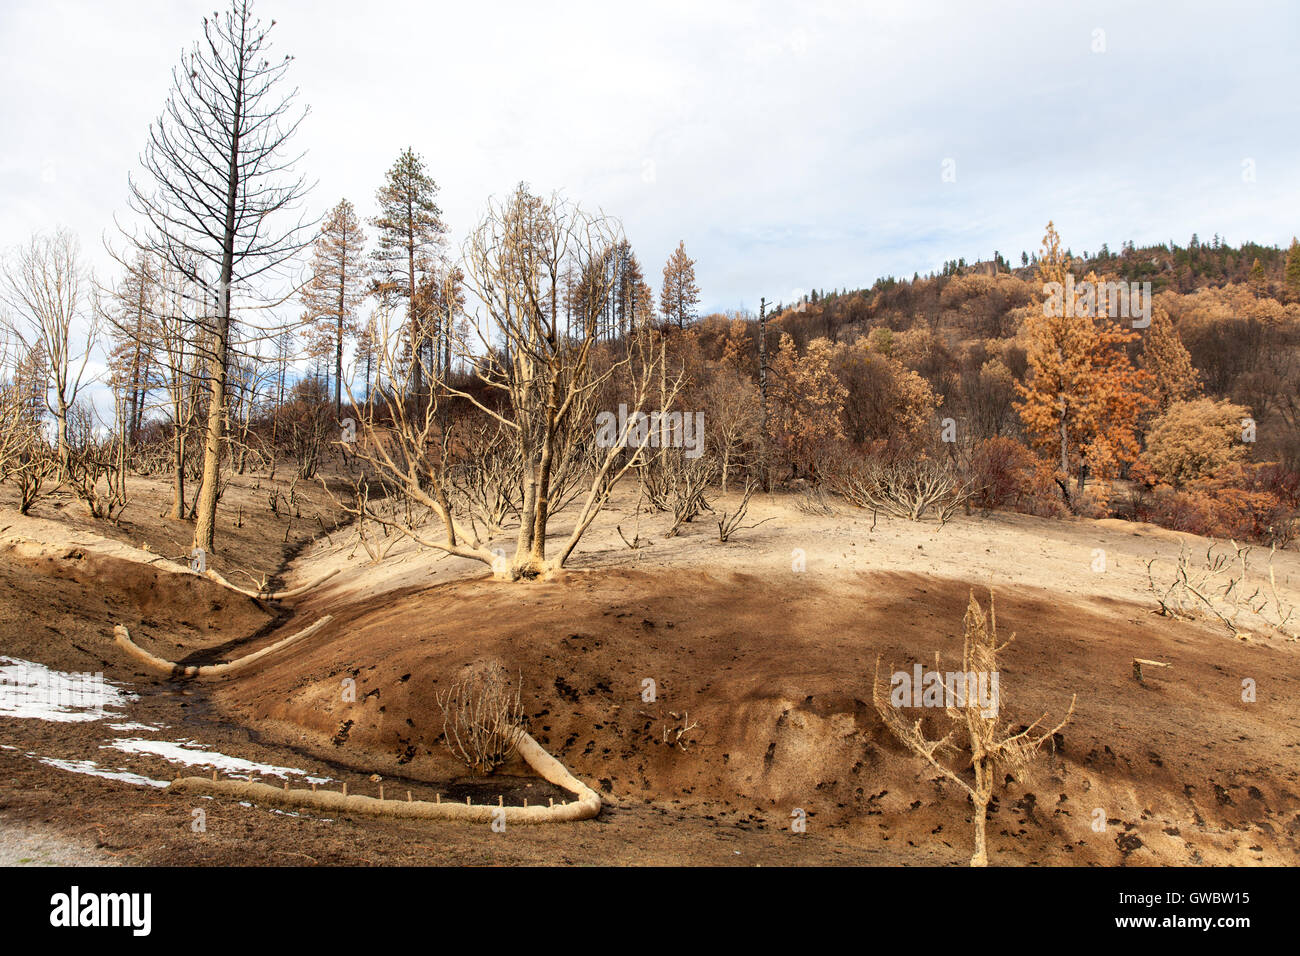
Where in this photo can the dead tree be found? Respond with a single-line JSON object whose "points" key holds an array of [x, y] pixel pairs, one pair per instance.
{"points": [[995, 749], [177, 360], [42, 282], [217, 177], [539, 383]]}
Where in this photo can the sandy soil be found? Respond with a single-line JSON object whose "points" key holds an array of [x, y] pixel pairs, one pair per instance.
{"points": [[761, 652]]}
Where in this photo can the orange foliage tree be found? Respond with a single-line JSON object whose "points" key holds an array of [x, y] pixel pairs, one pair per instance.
{"points": [[1083, 398], [1174, 378], [808, 402]]}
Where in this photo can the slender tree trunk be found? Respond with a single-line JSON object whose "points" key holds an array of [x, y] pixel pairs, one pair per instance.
{"points": [[410, 292], [1065, 446], [206, 505], [65, 450], [205, 525], [178, 474], [981, 857], [338, 353]]}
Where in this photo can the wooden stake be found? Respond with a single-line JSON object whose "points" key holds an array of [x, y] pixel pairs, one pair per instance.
{"points": [[345, 788], [1137, 667], [381, 791]]}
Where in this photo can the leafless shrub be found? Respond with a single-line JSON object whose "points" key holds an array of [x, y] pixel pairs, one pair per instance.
{"points": [[995, 749], [97, 476], [1223, 586], [150, 458], [487, 480], [376, 538], [730, 522], [813, 501], [903, 489], [26, 459], [636, 541], [97, 467], [681, 483], [482, 719]]}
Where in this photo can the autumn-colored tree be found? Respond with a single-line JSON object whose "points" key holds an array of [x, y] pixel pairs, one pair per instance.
{"points": [[409, 240], [1167, 359], [808, 401], [985, 304], [680, 295], [336, 288], [886, 406], [368, 349], [1195, 439], [1083, 397], [643, 306], [1120, 396]]}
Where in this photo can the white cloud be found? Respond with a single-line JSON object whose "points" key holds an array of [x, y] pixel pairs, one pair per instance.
{"points": [[792, 144]]}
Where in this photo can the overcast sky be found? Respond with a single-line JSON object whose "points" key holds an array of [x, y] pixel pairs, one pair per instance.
{"points": [[791, 145]]}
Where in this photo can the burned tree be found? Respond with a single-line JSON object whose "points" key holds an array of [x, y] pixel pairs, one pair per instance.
{"points": [[216, 181], [539, 382], [995, 748], [43, 283]]}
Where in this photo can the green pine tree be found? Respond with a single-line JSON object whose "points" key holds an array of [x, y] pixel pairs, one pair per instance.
{"points": [[1292, 275], [409, 234]]}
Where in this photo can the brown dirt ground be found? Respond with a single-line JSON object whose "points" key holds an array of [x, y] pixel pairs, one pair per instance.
{"points": [[771, 668]]}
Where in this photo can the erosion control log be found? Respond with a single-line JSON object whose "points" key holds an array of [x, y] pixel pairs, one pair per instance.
{"points": [[585, 807], [265, 595], [122, 638]]}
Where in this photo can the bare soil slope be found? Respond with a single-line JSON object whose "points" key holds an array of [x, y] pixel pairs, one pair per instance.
{"points": [[762, 677]]}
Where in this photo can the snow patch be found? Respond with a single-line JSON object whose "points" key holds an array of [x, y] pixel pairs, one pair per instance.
{"points": [[189, 753], [34, 691], [90, 768]]}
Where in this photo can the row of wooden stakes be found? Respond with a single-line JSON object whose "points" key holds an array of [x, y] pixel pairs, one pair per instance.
{"points": [[501, 801]]}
